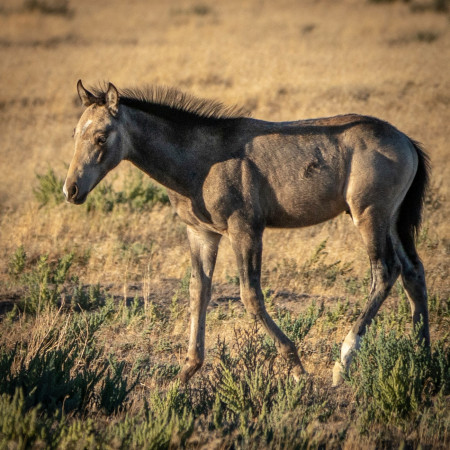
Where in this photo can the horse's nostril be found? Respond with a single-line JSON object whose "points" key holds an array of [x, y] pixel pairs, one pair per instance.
{"points": [[73, 191]]}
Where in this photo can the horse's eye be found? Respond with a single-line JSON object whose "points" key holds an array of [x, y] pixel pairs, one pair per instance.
{"points": [[100, 140]]}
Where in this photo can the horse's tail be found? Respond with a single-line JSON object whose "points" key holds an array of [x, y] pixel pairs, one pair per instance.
{"points": [[410, 215]]}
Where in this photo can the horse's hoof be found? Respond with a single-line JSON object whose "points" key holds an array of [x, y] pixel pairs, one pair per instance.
{"points": [[298, 372], [188, 371], [338, 372], [186, 374]]}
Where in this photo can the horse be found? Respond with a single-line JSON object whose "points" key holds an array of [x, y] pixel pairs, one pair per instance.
{"points": [[228, 174]]}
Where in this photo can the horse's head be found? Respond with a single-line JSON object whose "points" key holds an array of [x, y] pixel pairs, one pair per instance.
{"points": [[99, 146]]}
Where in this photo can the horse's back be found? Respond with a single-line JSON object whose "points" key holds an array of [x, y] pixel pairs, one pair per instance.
{"points": [[310, 171]]}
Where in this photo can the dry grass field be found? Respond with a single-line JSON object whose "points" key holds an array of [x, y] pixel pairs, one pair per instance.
{"points": [[110, 278]]}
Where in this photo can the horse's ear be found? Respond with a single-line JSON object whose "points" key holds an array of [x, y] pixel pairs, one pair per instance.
{"points": [[86, 97], [112, 99]]}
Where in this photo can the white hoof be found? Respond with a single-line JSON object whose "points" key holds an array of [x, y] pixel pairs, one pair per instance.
{"points": [[338, 372]]}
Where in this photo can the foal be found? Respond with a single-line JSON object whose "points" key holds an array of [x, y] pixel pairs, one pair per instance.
{"points": [[230, 175]]}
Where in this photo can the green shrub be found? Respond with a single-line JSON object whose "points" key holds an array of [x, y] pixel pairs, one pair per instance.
{"points": [[434, 5], [115, 389], [46, 379], [394, 376], [164, 423], [252, 399], [138, 193], [297, 329], [328, 273], [17, 262], [439, 308], [50, 189], [20, 427], [164, 372], [77, 434], [43, 283], [86, 299], [103, 198], [65, 372], [153, 427]]}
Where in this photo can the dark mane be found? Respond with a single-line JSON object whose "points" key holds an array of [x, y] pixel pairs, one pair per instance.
{"points": [[174, 105]]}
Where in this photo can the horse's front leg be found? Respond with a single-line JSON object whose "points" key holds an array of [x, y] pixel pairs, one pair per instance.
{"points": [[247, 246], [203, 246]]}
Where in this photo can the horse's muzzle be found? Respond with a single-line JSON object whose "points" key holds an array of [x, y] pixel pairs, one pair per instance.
{"points": [[72, 194]]}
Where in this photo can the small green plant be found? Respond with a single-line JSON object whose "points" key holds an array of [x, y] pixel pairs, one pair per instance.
{"points": [[115, 387], [394, 376], [268, 299], [17, 262], [183, 290], [86, 299], [50, 189], [201, 9], [427, 36], [141, 195], [102, 198], [77, 433], [165, 372], [254, 399], [328, 273], [297, 329], [20, 425], [439, 308], [340, 312], [138, 194], [44, 282], [198, 9], [232, 279], [439, 6]]}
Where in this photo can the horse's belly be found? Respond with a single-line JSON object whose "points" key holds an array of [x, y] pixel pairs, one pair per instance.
{"points": [[303, 207]]}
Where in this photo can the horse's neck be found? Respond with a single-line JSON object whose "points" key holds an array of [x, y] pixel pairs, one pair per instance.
{"points": [[159, 149]]}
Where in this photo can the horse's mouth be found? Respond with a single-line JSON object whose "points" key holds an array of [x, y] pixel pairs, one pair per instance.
{"points": [[80, 200]]}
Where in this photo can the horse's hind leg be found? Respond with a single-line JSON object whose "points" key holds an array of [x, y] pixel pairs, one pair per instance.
{"points": [[385, 267], [413, 278]]}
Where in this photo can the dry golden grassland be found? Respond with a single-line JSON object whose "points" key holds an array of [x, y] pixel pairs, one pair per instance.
{"points": [[282, 60]]}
